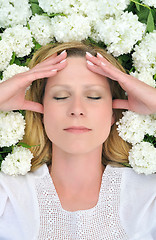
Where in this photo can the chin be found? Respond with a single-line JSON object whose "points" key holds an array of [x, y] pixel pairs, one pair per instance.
{"points": [[79, 148]]}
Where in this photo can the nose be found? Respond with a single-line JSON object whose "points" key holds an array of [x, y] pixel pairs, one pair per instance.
{"points": [[76, 108]]}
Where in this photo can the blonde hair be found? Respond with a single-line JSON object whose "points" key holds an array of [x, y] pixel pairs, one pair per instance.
{"points": [[115, 150]]}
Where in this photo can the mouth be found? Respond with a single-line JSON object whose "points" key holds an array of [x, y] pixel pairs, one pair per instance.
{"points": [[77, 129]]}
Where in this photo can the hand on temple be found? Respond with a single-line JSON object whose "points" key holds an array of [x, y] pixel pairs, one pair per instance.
{"points": [[141, 97], [12, 91]]}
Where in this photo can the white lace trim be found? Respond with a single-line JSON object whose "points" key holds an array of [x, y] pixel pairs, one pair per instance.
{"points": [[99, 222]]}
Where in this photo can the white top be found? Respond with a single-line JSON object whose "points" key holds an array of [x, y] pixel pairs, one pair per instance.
{"points": [[30, 208]]}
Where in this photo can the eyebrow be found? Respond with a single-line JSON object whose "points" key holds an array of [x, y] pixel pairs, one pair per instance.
{"points": [[86, 86]]}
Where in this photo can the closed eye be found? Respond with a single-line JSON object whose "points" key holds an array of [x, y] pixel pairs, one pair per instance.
{"points": [[60, 98], [94, 98]]}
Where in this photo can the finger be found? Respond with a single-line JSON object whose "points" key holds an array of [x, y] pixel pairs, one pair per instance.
{"points": [[95, 68], [24, 80], [33, 106], [59, 66], [120, 104], [54, 60], [100, 66]]}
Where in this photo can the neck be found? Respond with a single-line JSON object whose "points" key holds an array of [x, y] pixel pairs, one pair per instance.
{"points": [[74, 173]]}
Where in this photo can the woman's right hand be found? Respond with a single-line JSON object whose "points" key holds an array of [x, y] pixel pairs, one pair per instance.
{"points": [[12, 91]]}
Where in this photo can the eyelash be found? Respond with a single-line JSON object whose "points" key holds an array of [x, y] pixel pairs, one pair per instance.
{"points": [[63, 98]]}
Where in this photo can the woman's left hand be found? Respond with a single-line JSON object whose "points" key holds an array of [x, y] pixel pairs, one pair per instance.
{"points": [[141, 97]]}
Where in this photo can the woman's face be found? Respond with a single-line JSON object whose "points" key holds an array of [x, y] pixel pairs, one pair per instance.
{"points": [[77, 108]]}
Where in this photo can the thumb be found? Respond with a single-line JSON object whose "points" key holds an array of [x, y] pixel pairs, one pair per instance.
{"points": [[33, 106], [120, 104]]}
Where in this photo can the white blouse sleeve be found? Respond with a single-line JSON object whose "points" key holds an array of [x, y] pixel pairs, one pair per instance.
{"points": [[138, 205], [19, 217]]}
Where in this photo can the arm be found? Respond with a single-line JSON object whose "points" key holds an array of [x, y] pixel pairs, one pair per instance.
{"points": [[141, 97], [12, 91]]}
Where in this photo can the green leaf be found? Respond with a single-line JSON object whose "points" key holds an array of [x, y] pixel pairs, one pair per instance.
{"points": [[126, 164], [12, 59], [26, 145], [28, 26], [154, 13], [36, 9], [150, 139], [137, 5], [150, 22], [6, 149], [1, 75], [155, 77], [23, 145], [22, 112], [143, 15], [33, 1]]}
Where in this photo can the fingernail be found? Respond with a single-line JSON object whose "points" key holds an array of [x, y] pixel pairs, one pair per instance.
{"points": [[103, 63], [90, 63], [99, 54], [54, 70], [62, 52], [89, 54], [63, 60]]}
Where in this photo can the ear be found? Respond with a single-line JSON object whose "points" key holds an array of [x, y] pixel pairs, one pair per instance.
{"points": [[113, 118]]}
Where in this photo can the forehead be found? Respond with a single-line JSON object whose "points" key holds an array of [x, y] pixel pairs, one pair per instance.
{"points": [[76, 73]]}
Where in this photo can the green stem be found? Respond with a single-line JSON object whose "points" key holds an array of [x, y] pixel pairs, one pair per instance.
{"points": [[143, 5]]}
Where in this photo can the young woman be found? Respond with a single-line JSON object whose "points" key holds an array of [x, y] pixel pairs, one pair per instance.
{"points": [[77, 189]]}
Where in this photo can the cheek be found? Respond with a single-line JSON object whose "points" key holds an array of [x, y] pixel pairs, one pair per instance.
{"points": [[51, 119], [103, 120]]}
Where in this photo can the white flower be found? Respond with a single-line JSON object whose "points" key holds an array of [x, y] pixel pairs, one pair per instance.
{"points": [[12, 125], [12, 70], [142, 158], [5, 54], [20, 40], [42, 29], [132, 127], [100, 9], [74, 27], [113, 7], [56, 6], [151, 3], [17, 162], [144, 56], [120, 33], [145, 77], [13, 12], [152, 129], [88, 8]]}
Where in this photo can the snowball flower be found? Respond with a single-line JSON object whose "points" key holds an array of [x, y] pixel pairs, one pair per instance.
{"points": [[74, 27], [12, 125], [132, 127], [17, 162], [113, 7], [152, 130], [88, 8], [13, 12], [142, 158], [12, 70], [145, 77], [20, 40], [120, 33], [5, 53], [57, 6], [144, 56], [151, 3], [41, 29]]}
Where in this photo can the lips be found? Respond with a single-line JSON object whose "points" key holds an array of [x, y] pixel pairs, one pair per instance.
{"points": [[77, 129]]}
